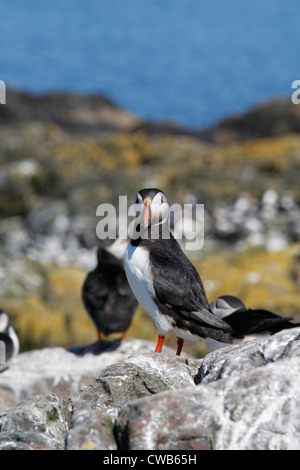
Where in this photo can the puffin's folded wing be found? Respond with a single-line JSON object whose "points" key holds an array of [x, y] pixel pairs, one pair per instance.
{"points": [[245, 322], [210, 319], [178, 287]]}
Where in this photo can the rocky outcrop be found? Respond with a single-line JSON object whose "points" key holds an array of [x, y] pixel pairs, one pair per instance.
{"points": [[37, 423], [138, 376], [62, 372], [239, 397], [258, 410], [94, 113], [70, 111], [264, 120], [246, 398]]}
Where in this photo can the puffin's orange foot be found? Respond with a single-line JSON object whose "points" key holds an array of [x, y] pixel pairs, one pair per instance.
{"points": [[179, 346], [99, 337], [159, 344]]}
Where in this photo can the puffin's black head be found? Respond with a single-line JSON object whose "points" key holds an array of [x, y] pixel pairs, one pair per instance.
{"points": [[152, 205], [225, 305]]}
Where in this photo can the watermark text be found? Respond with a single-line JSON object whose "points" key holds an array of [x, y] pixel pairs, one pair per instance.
{"points": [[185, 224], [296, 94], [2, 353], [2, 92]]}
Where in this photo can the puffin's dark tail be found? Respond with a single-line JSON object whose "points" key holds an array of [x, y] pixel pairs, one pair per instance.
{"points": [[217, 329]]}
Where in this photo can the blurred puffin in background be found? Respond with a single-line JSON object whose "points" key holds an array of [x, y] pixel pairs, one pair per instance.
{"points": [[8, 336], [106, 294], [247, 323]]}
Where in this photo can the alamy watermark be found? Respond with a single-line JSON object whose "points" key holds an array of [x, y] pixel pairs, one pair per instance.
{"points": [[2, 92], [186, 224], [2, 353], [296, 94]]}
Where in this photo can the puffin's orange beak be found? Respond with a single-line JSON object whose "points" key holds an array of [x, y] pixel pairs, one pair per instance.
{"points": [[147, 213]]}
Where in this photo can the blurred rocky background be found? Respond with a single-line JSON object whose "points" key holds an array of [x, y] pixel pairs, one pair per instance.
{"points": [[62, 155]]}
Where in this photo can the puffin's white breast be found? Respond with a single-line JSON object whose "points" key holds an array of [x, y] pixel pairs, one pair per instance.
{"points": [[140, 278], [138, 272]]}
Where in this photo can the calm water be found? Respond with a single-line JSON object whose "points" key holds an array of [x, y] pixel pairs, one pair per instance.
{"points": [[190, 61]]}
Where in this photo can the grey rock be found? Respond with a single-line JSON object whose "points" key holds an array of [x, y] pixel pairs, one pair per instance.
{"points": [[241, 397], [237, 359], [247, 398], [138, 376], [37, 423], [171, 420], [257, 410], [90, 430], [56, 370]]}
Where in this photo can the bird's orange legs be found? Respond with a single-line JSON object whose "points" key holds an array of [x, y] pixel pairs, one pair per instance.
{"points": [[159, 344], [99, 336], [161, 341], [179, 346]]}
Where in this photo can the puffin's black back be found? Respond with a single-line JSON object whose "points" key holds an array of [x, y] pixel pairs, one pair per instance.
{"points": [[247, 321], [170, 265], [107, 296], [179, 291]]}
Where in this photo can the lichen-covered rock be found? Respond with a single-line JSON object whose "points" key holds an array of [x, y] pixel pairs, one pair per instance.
{"points": [[90, 430], [239, 397], [138, 376], [257, 410], [56, 370], [247, 400], [237, 359], [36, 423]]}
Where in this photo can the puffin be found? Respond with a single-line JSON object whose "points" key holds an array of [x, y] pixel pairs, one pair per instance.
{"points": [[106, 294], [8, 336], [163, 279], [247, 323]]}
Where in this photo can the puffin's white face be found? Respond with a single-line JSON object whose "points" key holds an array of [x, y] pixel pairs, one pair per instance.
{"points": [[152, 208], [221, 308], [118, 248]]}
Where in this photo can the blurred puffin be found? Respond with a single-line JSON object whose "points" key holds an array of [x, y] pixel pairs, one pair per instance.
{"points": [[247, 323], [8, 336], [164, 280], [106, 294]]}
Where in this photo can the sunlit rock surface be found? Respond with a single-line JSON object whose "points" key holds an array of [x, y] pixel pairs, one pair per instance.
{"points": [[240, 397]]}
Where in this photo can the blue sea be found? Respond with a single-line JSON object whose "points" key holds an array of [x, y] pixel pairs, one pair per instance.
{"points": [[192, 62]]}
